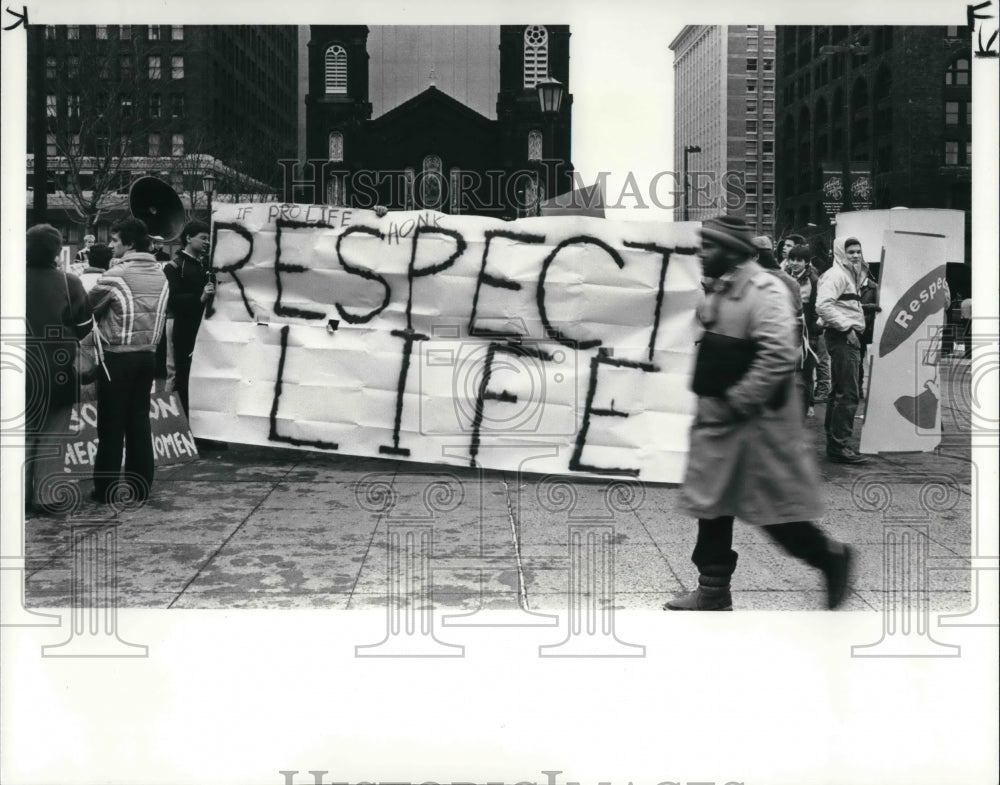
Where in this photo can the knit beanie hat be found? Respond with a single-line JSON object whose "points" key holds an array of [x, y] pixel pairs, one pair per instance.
{"points": [[42, 245], [763, 242], [731, 232]]}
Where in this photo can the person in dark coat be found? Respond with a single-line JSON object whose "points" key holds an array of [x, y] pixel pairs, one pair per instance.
{"points": [[190, 289], [58, 316], [749, 457], [869, 306]]}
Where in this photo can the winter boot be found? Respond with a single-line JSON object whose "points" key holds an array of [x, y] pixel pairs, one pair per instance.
{"points": [[838, 574], [712, 594]]}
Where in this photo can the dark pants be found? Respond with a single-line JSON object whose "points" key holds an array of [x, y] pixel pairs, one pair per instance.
{"points": [[714, 555], [123, 418], [843, 402], [183, 349], [808, 370]]}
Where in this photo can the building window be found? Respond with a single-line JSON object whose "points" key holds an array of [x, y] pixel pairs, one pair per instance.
{"points": [[768, 209], [124, 32], [751, 106], [101, 32], [951, 153], [957, 73], [768, 167], [334, 192], [126, 105], [752, 65], [768, 188], [455, 177], [336, 146], [74, 144], [751, 126], [968, 113], [155, 71], [409, 196], [430, 184], [50, 68], [956, 32], [51, 107], [752, 43], [751, 85], [951, 112], [73, 106], [154, 144], [768, 63], [968, 153], [177, 144], [177, 32], [751, 149], [72, 32], [768, 85], [177, 106], [751, 209], [536, 55], [751, 189], [535, 145], [177, 67], [154, 106], [50, 32], [73, 67], [336, 70], [768, 148], [153, 32], [768, 106], [769, 126], [50, 145], [125, 67]]}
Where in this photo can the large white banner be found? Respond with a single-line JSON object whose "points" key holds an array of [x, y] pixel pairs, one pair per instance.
{"points": [[904, 399], [555, 345], [869, 225]]}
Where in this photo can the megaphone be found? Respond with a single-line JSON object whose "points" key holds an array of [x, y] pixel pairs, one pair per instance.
{"points": [[158, 206]]}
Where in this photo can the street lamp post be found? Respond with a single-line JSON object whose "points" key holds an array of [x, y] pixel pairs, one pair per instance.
{"points": [[208, 186], [688, 149], [853, 48], [550, 98]]}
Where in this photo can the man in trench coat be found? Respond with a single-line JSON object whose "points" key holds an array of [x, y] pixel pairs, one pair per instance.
{"points": [[749, 456]]}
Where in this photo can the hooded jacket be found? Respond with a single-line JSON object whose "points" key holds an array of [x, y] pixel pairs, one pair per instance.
{"points": [[838, 303], [130, 303]]}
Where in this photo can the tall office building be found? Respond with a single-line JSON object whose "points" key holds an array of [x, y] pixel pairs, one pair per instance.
{"points": [[724, 104], [175, 101], [890, 108]]}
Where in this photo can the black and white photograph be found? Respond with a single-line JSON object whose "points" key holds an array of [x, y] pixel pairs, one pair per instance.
{"points": [[383, 384]]}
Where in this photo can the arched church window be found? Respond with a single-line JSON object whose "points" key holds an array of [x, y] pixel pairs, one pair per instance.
{"points": [[336, 146], [534, 145], [536, 55], [336, 70]]}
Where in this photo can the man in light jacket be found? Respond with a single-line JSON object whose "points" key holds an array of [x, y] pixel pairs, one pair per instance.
{"points": [[838, 306], [130, 304], [749, 457]]}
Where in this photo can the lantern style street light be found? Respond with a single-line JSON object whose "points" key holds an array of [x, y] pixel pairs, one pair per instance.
{"points": [[550, 98], [208, 186]]}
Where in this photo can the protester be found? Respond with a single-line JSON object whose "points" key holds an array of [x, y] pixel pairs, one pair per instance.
{"points": [[838, 306], [156, 248], [966, 312], [785, 247], [806, 281], [869, 307], [100, 259], [57, 315], [191, 287], [749, 457], [83, 255], [130, 303]]}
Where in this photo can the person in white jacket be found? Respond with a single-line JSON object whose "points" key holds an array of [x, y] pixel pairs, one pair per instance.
{"points": [[838, 306]]}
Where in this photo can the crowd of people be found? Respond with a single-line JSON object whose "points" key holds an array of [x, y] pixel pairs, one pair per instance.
{"points": [[106, 324]]}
